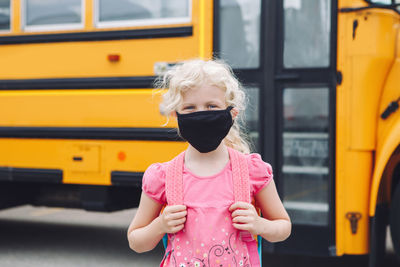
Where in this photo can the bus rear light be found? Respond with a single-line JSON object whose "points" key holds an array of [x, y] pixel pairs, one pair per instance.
{"points": [[113, 57], [121, 156]]}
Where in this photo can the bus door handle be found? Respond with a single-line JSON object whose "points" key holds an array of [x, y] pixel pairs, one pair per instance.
{"points": [[287, 77]]}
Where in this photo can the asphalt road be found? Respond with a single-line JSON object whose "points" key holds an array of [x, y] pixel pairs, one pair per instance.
{"points": [[41, 236]]}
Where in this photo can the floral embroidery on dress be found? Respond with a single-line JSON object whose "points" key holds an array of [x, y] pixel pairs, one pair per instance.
{"points": [[217, 253]]}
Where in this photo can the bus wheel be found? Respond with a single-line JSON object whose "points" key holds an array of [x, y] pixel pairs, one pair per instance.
{"points": [[395, 220]]}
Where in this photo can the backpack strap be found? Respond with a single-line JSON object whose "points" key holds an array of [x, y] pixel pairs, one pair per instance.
{"points": [[240, 175], [241, 189], [174, 185], [174, 180]]}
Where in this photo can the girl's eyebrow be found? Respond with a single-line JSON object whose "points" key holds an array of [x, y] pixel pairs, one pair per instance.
{"points": [[187, 104], [214, 102]]}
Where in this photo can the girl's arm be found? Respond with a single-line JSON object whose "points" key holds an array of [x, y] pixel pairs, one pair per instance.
{"points": [[148, 226], [274, 227]]}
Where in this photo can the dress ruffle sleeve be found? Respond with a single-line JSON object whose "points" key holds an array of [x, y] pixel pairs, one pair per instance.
{"points": [[153, 183], [260, 173]]}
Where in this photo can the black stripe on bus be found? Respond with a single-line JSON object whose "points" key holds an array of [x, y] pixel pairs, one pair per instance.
{"points": [[79, 83], [30, 175], [148, 134], [97, 36], [124, 178]]}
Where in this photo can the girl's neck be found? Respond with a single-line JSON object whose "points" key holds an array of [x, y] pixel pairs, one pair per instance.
{"points": [[221, 153], [206, 164]]}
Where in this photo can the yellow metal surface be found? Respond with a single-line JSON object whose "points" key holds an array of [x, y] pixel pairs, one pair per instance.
{"points": [[89, 59], [101, 154], [205, 39], [16, 15], [365, 55], [82, 108], [95, 107], [84, 158], [388, 131], [89, 16]]}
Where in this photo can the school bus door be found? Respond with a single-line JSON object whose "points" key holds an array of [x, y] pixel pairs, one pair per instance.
{"points": [[284, 54], [304, 75]]}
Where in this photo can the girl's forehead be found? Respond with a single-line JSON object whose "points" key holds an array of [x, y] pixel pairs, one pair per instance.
{"points": [[204, 93], [204, 89]]}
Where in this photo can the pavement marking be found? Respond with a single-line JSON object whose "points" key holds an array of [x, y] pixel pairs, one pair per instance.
{"points": [[45, 211]]}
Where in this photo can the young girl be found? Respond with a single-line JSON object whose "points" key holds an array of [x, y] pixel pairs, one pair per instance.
{"points": [[207, 101]]}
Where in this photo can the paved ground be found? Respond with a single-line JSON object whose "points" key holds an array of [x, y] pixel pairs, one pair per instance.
{"points": [[67, 237]]}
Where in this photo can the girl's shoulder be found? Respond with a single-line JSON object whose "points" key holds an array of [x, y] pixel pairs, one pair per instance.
{"points": [[156, 169], [153, 182], [256, 163], [260, 172]]}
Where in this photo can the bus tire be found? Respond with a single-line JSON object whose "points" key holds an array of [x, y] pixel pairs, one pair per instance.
{"points": [[395, 220]]}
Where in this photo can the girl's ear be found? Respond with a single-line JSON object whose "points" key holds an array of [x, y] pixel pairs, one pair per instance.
{"points": [[234, 113]]}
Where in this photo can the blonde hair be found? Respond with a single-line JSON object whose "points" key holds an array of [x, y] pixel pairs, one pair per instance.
{"points": [[193, 73]]}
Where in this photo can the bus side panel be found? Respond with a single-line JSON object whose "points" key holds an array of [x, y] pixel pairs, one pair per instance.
{"points": [[388, 132], [83, 108], [364, 63], [90, 58], [98, 157]]}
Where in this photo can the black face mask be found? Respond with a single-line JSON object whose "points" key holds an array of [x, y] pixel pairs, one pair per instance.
{"points": [[205, 130]]}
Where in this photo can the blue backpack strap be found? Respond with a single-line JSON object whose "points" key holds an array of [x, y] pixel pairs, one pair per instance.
{"points": [[165, 241], [259, 239]]}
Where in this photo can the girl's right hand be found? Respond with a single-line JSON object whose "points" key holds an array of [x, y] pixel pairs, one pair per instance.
{"points": [[173, 218]]}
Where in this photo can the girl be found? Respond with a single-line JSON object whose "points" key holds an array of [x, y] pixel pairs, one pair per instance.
{"points": [[207, 101]]}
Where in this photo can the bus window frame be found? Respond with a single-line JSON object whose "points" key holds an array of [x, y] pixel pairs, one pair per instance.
{"points": [[393, 6], [52, 27], [10, 19], [139, 22]]}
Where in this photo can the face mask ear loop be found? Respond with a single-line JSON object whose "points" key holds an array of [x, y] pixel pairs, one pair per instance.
{"points": [[229, 109]]}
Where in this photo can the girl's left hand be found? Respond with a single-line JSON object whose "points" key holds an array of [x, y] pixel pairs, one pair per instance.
{"points": [[245, 217]]}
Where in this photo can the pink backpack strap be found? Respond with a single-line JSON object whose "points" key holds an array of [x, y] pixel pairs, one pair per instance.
{"points": [[240, 173], [241, 188], [174, 180]]}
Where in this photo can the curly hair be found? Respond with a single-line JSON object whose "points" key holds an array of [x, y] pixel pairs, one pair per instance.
{"points": [[193, 73]]}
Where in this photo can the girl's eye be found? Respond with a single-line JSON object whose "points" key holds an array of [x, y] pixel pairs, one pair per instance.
{"points": [[188, 108], [211, 106]]}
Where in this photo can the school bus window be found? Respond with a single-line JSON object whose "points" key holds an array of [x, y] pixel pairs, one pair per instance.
{"points": [[307, 27], [386, 2], [119, 13], [252, 115], [383, 2], [240, 32], [46, 14], [4, 15], [306, 154]]}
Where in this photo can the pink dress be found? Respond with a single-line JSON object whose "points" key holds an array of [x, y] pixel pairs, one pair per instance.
{"points": [[208, 239]]}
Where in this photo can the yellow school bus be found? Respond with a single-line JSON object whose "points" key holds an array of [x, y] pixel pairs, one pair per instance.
{"points": [[80, 121]]}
